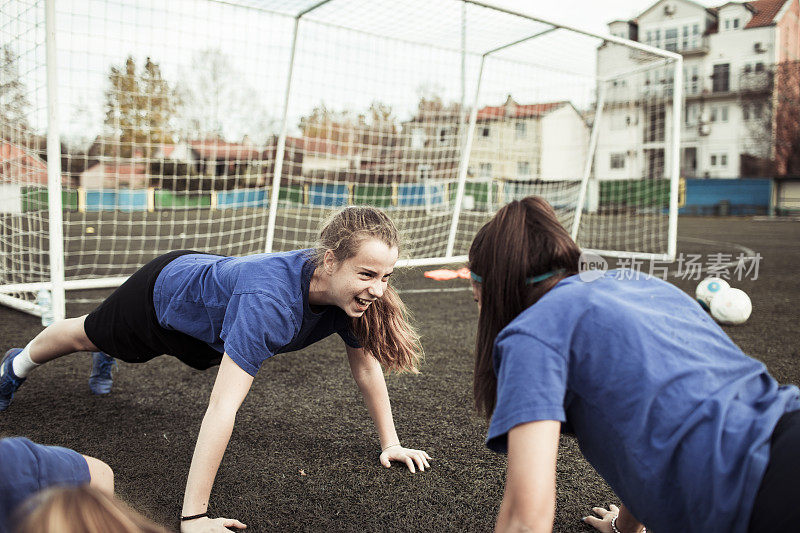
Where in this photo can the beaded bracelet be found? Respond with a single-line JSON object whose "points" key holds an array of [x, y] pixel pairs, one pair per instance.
{"points": [[614, 526]]}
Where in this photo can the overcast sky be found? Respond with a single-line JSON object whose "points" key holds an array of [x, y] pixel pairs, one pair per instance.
{"points": [[591, 15], [338, 68]]}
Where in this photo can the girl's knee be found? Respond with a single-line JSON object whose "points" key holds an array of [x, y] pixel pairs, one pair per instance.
{"points": [[78, 333], [101, 476]]}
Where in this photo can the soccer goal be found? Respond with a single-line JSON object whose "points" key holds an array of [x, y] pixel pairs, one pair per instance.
{"points": [[131, 128]]}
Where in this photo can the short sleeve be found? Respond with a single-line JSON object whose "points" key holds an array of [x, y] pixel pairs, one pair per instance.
{"points": [[531, 385], [344, 328], [27, 467], [255, 328]]}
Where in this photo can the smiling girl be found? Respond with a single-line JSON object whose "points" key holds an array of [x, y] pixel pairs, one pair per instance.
{"points": [[236, 312]]}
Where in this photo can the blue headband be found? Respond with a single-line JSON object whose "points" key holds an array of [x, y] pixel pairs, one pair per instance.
{"points": [[530, 281]]}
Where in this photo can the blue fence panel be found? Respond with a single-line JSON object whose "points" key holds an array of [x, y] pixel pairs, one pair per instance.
{"points": [[746, 196], [414, 195], [101, 200], [239, 198], [132, 200], [328, 195]]}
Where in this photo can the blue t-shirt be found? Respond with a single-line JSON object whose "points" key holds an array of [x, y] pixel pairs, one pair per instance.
{"points": [[27, 467], [673, 415], [250, 307]]}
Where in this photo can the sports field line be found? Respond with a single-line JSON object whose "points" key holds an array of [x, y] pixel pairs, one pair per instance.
{"points": [[448, 289]]}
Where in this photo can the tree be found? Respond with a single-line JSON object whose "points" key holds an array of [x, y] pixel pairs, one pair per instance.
{"points": [[14, 102], [771, 102], [324, 123], [139, 107], [787, 118], [377, 127], [217, 103]]}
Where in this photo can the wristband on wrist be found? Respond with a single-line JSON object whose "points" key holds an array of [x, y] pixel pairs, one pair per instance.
{"points": [[390, 446], [193, 517]]}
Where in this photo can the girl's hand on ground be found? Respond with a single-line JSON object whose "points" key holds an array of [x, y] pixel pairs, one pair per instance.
{"points": [[603, 523], [210, 525], [407, 456]]}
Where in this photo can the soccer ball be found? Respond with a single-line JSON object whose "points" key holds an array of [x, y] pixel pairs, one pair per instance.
{"points": [[731, 306], [707, 289]]}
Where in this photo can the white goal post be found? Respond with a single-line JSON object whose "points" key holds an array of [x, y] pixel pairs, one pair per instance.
{"points": [[237, 126]]}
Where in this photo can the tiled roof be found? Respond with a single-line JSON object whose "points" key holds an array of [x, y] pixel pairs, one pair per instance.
{"points": [[765, 11], [19, 166], [522, 111]]}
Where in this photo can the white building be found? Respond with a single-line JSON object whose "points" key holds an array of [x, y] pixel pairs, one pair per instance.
{"points": [[730, 53], [546, 141]]}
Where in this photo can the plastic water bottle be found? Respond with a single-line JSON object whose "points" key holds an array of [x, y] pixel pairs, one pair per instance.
{"points": [[45, 303]]}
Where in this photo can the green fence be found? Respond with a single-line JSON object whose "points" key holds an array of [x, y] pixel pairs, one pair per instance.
{"points": [[635, 193], [36, 198], [172, 200], [375, 195]]}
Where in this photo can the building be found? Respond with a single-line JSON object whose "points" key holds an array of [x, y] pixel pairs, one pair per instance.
{"points": [[731, 55], [546, 141]]}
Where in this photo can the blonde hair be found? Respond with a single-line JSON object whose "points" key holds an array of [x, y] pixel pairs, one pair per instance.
{"points": [[384, 329], [81, 509]]}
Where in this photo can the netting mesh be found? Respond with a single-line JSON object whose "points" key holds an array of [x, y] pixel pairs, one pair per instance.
{"points": [[171, 122]]}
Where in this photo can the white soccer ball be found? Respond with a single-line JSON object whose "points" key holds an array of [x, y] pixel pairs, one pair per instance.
{"points": [[731, 306], [707, 289]]}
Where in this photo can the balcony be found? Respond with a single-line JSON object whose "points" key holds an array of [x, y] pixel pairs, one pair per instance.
{"points": [[755, 82], [697, 46]]}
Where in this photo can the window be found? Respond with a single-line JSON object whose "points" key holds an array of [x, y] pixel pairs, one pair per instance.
{"points": [[649, 38], [723, 160], [746, 112], [757, 111], [671, 39], [690, 80], [727, 24], [721, 78], [713, 117], [724, 113], [690, 116], [759, 67], [486, 170], [523, 169], [735, 23], [657, 38], [417, 138], [685, 40], [443, 135], [695, 36], [485, 131], [617, 161], [520, 130], [748, 68], [714, 160], [424, 172]]}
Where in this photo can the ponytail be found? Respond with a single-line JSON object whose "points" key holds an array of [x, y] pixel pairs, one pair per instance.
{"points": [[522, 241]]}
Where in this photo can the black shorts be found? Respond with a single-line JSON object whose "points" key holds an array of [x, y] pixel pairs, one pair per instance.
{"points": [[777, 505], [125, 325]]}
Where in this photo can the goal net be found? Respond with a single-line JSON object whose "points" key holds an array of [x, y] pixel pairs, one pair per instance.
{"points": [[135, 127]]}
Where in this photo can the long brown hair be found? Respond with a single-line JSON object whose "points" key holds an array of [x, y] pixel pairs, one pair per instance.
{"points": [[524, 239], [81, 509], [384, 330]]}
